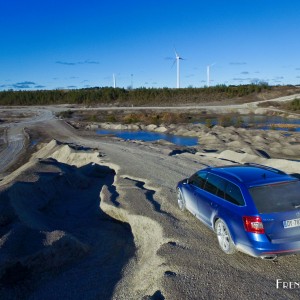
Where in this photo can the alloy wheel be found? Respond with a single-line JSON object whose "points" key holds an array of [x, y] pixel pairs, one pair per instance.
{"points": [[180, 199]]}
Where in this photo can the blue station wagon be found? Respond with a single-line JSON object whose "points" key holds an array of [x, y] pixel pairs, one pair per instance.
{"points": [[252, 208]]}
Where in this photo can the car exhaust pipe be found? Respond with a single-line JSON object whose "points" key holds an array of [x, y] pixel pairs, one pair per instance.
{"points": [[269, 257]]}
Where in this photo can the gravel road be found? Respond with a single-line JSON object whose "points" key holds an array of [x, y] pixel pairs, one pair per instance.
{"points": [[16, 137], [14, 146], [177, 257]]}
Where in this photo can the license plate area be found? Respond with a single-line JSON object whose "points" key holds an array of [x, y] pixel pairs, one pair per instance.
{"points": [[291, 223]]}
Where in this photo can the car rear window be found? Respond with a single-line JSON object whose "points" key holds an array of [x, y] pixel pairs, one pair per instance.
{"points": [[278, 197]]}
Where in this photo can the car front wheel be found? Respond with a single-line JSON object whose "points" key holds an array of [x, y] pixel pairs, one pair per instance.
{"points": [[224, 237], [180, 199]]}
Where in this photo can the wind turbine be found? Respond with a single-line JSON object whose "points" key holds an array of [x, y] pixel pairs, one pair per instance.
{"points": [[177, 60], [208, 73]]}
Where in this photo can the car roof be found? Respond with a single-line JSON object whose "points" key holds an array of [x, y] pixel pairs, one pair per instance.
{"points": [[251, 174]]}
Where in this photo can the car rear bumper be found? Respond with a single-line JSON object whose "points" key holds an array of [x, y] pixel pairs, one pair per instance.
{"points": [[269, 249]]}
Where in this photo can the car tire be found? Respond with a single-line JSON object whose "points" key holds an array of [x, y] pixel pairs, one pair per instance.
{"points": [[180, 200], [224, 237]]}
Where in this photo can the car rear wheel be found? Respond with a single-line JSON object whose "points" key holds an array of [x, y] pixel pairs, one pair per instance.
{"points": [[180, 199], [224, 237]]}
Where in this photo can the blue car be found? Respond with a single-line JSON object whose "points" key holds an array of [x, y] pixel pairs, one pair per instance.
{"points": [[252, 208]]}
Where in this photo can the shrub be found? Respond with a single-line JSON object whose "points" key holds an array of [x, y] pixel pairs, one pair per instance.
{"points": [[131, 118], [208, 123], [111, 118], [65, 114], [239, 122], [225, 121], [93, 118]]}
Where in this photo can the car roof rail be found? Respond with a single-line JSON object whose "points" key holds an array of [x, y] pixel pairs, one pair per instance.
{"points": [[265, 167], [229, 173], [236, 176]]}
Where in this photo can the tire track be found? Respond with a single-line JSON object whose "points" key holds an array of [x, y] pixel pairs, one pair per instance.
{"points": [[15, 144], [16, 137]]}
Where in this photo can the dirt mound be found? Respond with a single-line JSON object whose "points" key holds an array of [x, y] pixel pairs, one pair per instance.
{"points": [[51, 225], [288, 166]]}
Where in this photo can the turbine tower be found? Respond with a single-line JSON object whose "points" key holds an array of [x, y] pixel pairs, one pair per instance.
{"points": [[208, 73], [177, 60], [114, 80]]}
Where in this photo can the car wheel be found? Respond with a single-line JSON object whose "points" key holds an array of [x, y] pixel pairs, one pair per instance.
{"points": [[180, 199], [224, 237]]}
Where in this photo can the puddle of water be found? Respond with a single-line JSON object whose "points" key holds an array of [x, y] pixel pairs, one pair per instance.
{"points": [[276, 127], [151, 136], [33, 142]]}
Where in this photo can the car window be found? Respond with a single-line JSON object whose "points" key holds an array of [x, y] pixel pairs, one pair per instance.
{"points": [[279, 197], [215, 185], [233, 194], [198, 179]]}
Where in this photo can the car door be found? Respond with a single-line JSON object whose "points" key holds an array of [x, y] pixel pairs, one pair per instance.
{"points": [[209, 199], [193, 188]]}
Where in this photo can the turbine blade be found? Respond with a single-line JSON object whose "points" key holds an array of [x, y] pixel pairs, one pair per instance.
{"points": [[174, 62], [176, 54]]}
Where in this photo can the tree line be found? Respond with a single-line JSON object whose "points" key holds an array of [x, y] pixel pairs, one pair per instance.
{"points": [[121, 96]]}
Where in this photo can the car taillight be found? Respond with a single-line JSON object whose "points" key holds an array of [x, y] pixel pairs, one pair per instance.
{"points": [[253, 224]]}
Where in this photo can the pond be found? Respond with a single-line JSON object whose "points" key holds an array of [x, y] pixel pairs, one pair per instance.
{"points": [[255, 121], [147, 136]]}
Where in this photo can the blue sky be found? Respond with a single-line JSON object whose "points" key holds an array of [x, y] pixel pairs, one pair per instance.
{"points": [[52, 44]]}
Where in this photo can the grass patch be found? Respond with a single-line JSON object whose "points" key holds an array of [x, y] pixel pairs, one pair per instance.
{"points": [[293, 105]]}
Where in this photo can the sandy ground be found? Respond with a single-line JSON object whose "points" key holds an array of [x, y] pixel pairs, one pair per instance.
{"points": [[100, 221], [97, 218]]}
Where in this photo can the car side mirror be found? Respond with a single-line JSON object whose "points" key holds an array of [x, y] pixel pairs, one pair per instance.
{"points": [[186, 181]]}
